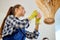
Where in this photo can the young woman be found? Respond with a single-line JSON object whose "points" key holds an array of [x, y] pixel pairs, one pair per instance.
{"points": [[13, 28]]}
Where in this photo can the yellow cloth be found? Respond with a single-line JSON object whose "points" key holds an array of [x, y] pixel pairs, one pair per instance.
{"points": [[33, 15], [37, 20]]}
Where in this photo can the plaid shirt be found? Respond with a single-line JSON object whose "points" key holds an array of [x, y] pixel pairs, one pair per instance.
{"points": [[12, 22]]}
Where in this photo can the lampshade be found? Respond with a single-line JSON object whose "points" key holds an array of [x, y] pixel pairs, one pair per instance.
{"points": [[49, 8]]}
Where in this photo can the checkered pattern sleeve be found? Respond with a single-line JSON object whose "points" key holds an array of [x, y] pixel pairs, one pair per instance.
{"points": [[12, 23], [18, 23], [31, 35]]}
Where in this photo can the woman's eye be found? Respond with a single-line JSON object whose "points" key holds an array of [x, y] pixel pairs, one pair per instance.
{"points": [[22, 8]]}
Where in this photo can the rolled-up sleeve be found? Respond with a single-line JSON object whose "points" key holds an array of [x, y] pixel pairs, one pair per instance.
{"points": [[31, 35], [25, 23]]}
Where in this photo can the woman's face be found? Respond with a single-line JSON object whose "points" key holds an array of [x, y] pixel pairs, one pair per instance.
{"points": [[21, 11]]}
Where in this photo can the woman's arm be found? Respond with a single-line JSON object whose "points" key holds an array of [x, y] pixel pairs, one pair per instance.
{"points": [[34, 34], [36, 27], [37, 21]]}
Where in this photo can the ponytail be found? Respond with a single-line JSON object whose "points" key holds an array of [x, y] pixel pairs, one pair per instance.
{"points": [[8, 13]]}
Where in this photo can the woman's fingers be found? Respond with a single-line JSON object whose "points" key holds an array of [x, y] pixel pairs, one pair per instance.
{"points": [[38, 16]]}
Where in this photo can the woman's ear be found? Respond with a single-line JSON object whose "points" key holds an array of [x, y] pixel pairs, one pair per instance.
{"points": [[16, 10]]}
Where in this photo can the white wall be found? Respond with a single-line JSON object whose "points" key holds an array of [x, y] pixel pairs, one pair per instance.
{"points": [[44, 29]]}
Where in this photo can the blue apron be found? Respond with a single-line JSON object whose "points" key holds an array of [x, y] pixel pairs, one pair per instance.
{"points": [[19, 34]]}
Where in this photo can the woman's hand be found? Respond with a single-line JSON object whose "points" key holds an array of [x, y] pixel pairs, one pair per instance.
{"points": [[37, 19]]}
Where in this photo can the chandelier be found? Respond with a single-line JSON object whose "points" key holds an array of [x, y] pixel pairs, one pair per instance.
{"points": [[49, 8]]}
